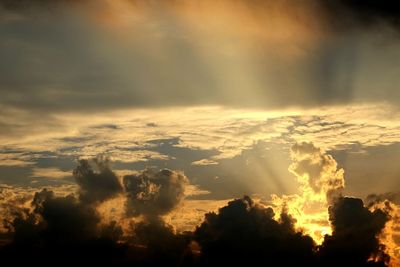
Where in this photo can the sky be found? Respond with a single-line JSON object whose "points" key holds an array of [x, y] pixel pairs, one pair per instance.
{"points": [[186, 132]]}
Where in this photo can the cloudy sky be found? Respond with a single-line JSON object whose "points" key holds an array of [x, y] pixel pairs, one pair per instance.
{"points": [[160, 111]]}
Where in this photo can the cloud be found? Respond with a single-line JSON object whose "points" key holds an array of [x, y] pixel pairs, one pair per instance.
{"points": [[67, 228], [163, 245], [354, 240], [317, 173], [390, 236], [191, 213], [245, 233], [50, 173], [245, 143], [393, 197], [367, 13], [204, 162], [76, 222], [58, 229], [188, 45], [96, 186], [320, 183], [154, 193]]}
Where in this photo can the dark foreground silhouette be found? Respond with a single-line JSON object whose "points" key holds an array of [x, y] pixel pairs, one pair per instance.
{"points": [[66, 231], [241, 233]]}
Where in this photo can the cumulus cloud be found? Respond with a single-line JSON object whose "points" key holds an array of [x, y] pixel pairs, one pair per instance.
{"points": [[163, 245], [154, 193], [58, 229], [390, 236], [63, 228], [68, 228], [317, 172], [245, 233], [96, 186], [354, 240], [321, 183]]}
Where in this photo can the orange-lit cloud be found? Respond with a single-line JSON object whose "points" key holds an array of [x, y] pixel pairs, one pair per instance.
{"points": [[390, 236], [321, 182]]}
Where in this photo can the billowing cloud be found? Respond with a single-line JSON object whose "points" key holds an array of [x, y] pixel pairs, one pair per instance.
{"points": [[355, 235], [96, 186], [321, 183], [163, 245], [54, 227], [245, 233], [390, 236], [58, 228], [321, 186], [154, 193], [317, 172]]}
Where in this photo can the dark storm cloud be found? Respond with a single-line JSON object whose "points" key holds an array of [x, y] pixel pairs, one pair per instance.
{"points": [[244, 233], [154, 193], [96, 186], [163, 245], [354, 239], [66, 217], [64, 230], [59, 230], [67, 230]]}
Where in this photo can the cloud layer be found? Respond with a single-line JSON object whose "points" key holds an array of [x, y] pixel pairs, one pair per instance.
{"points": [[183, 53], [53, 227]]}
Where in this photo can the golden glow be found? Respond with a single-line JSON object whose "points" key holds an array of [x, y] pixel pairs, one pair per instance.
{"points": [[320, 182], [390, 236]]}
